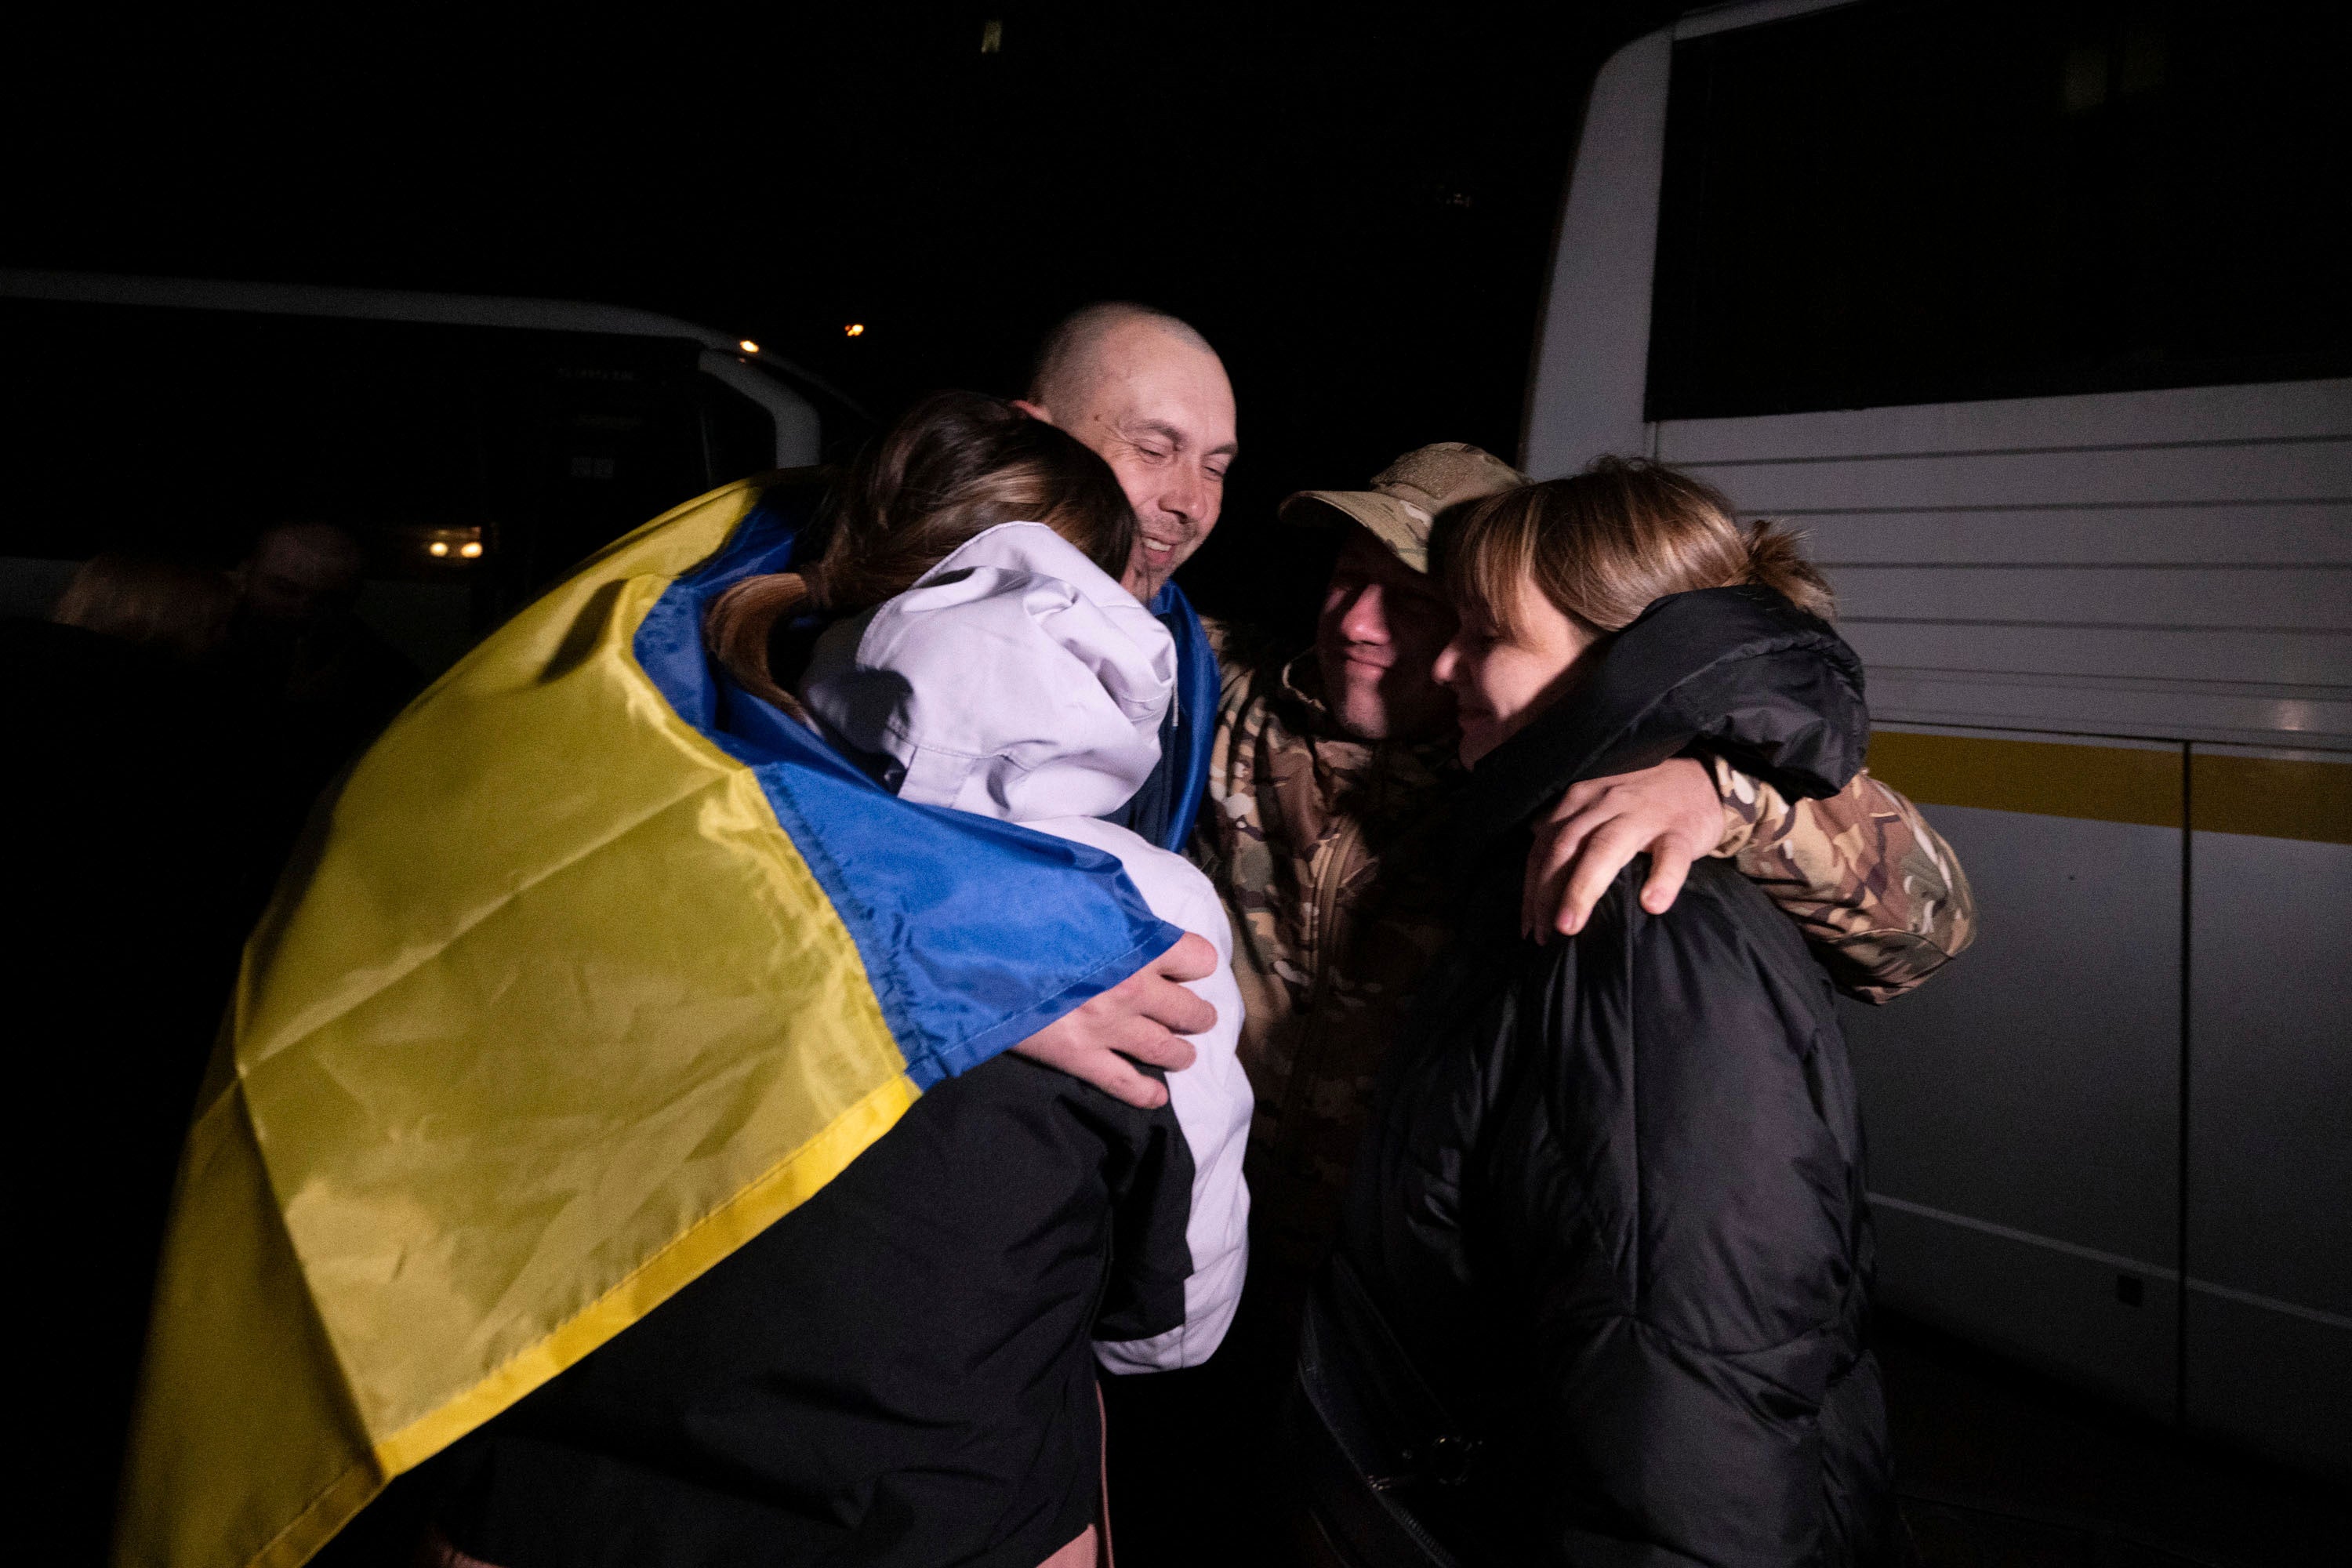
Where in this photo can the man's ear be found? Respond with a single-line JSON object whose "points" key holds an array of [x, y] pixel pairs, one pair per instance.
{"points": [[1037, 411]]}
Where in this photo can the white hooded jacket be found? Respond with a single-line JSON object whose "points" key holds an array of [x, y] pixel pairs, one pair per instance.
{"points": [[1018, 680]]}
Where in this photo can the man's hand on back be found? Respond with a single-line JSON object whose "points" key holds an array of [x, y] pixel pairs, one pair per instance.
{"points": [[1671, 810], [1138, 1020]]}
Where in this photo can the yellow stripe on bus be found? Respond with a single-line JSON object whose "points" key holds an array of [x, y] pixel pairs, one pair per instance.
{"points": [[2269, 797], [2045, 778], [2272, 797]]}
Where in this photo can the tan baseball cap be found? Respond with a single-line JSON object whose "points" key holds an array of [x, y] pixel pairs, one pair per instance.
{"points": [[1407, 496]]}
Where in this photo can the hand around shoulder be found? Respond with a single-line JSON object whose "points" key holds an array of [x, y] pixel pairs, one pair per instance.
{"points": [[1671, 812], [1138, 1020]]}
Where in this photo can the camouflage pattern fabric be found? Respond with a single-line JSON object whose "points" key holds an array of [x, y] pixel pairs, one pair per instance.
{"points": [[1330, 854], [1878, 892]]}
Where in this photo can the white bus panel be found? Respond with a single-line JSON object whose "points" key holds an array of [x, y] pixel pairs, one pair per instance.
{"points": [[2107, 609]]}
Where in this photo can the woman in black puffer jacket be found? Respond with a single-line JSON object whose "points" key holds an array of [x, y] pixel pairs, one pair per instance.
{"points": [[1602, 1291]]}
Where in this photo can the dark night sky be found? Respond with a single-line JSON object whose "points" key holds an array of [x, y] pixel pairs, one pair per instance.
{"points": [[1354, 202]]}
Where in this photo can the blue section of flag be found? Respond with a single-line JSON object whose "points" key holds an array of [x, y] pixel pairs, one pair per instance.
{"points": [[975, 933], [1196, 701]]}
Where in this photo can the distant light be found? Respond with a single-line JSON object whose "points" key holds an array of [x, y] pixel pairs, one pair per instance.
{"points": [[748, 346], [438, 547], [992, 36], [471, 548], [855, 330]]}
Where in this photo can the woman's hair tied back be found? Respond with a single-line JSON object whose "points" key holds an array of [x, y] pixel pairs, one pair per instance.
{"points": [[1604, 544], [956, 465]]}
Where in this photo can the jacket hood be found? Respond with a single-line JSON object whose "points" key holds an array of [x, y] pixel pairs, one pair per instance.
{"points": [[1016, 679], [1739, 671]]}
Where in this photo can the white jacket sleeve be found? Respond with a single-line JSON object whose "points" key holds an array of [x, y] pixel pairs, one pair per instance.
{"points": [[1212, 1103]]}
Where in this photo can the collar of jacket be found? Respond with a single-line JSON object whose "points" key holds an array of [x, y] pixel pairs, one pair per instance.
{"points": [[1736, 671], [1300, 682], [1301, 685]]}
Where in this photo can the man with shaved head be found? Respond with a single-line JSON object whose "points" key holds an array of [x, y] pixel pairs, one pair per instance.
{"points": [[1148, 393]]}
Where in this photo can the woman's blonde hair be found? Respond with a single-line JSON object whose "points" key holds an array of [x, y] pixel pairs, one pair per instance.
{"points": [[956, 466], [1606, 544]]}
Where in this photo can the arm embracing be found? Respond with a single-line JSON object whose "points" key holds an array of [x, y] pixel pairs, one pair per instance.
{"points": [[1877, 890], [1212, 1105]]}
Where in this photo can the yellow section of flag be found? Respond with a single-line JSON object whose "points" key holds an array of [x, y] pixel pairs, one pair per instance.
{"points": [[552, 1017]]}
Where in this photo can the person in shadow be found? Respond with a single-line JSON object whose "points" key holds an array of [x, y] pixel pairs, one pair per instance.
{"points": [[321, 683], [128, 794]]}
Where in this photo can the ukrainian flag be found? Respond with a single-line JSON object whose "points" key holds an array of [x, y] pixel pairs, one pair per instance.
{"points": [[600, 967]]}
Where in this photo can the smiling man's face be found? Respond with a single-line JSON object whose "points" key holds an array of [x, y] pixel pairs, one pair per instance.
{"points": [[1157, 408], [1377, 642]]}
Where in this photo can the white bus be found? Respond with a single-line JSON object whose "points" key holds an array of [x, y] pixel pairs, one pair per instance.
{"points": [[2033, 317], [477, 446]]}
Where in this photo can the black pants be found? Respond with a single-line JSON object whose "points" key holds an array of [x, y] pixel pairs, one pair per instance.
{"points": [[1197, 1468]]}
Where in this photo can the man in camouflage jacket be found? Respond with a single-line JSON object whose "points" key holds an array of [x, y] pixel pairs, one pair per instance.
{"points": [[1325, 830]]}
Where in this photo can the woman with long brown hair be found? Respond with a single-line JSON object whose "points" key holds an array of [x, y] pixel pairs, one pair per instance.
{"points": [[1601, 1289], [901, 1369], [956, 465]]}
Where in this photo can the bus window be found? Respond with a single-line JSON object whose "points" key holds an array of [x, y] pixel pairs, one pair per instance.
{"points": [[474, 464], [740, 436], [591, 436], [188, 430], [1929, 201]]}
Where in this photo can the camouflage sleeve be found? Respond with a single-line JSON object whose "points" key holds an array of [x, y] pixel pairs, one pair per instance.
{"points": [[1228, 838], [1877, 890]]}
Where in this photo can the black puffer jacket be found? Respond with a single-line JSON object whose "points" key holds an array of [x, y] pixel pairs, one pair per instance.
{"points": [[1602, 1287]]}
